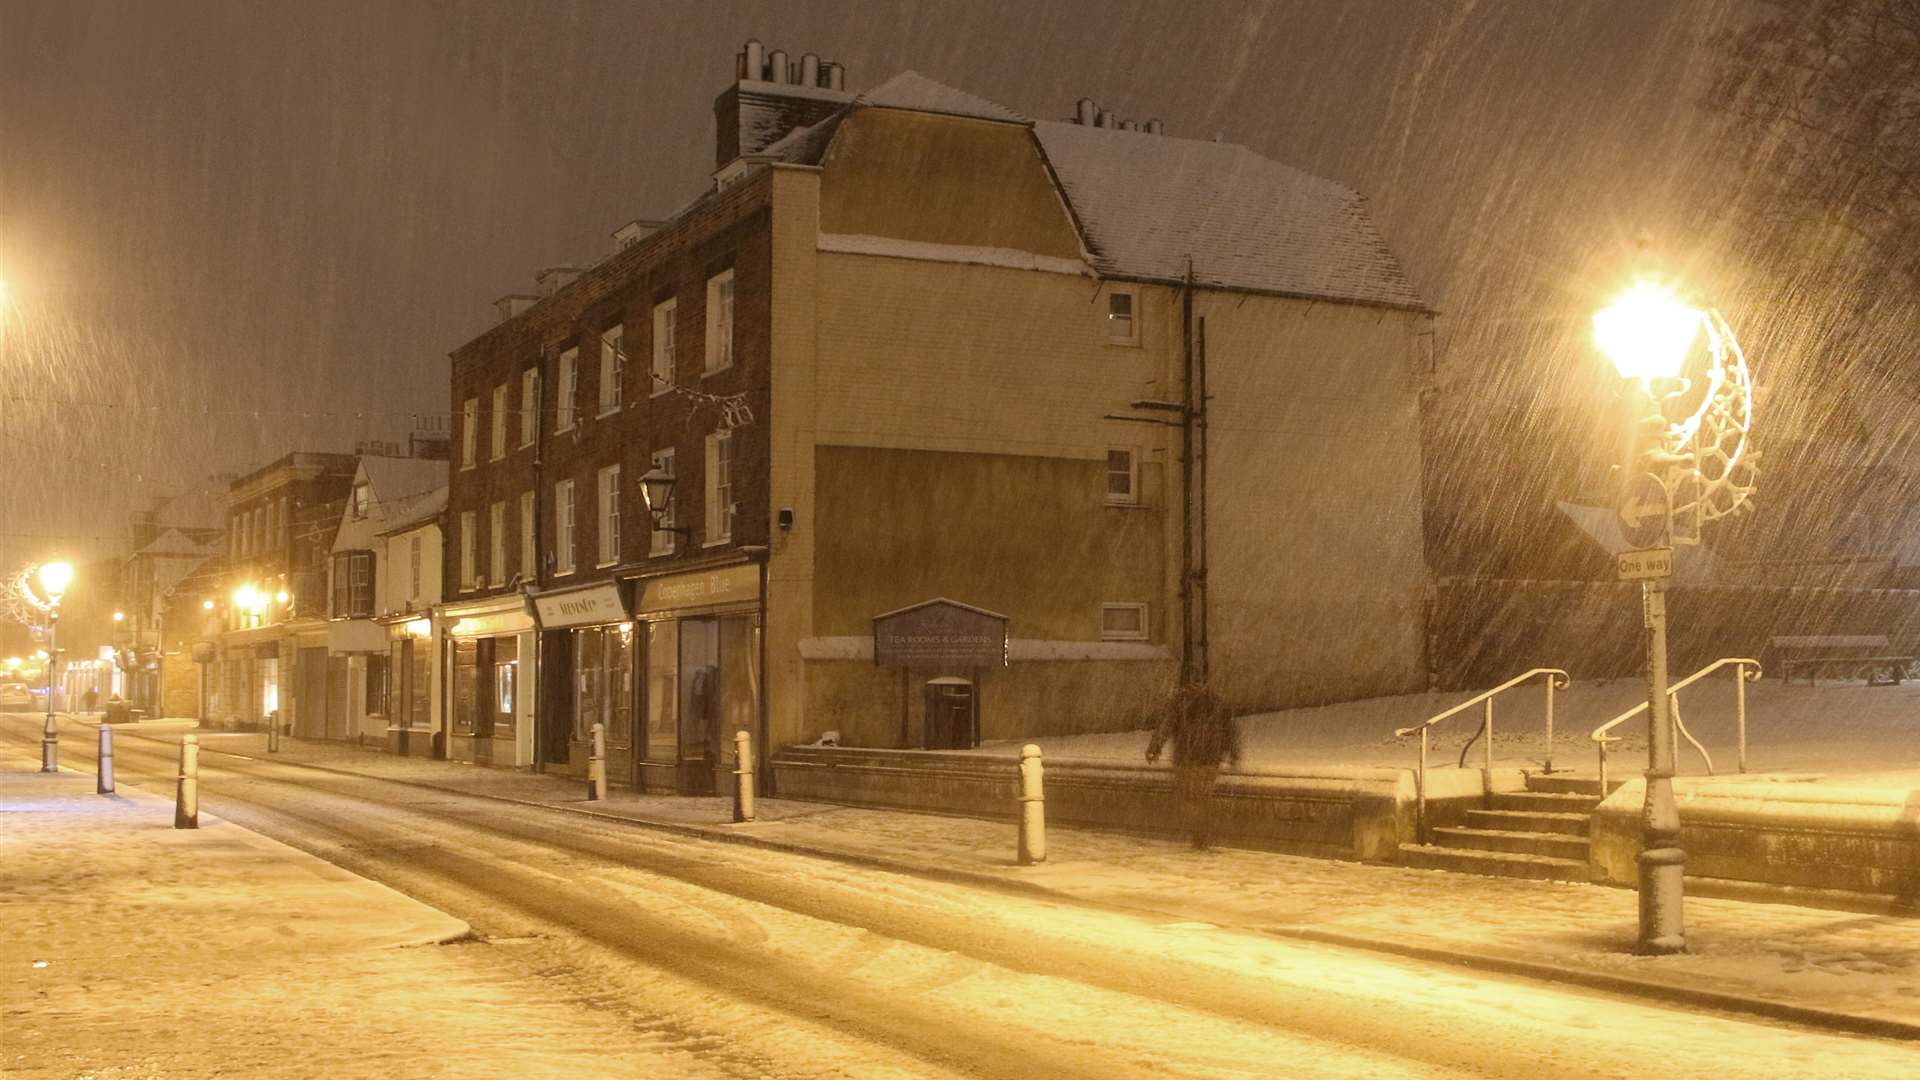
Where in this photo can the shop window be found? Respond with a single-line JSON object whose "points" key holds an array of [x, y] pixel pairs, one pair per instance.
{"points": [[663, 679], [466, 684], [504, 653], [419, 683], [377, 688]]}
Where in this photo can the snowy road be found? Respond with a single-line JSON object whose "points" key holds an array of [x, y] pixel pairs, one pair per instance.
{"points": [[752, 963]]}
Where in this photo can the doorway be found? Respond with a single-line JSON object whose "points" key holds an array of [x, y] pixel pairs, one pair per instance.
{"points": [[952, 715]]}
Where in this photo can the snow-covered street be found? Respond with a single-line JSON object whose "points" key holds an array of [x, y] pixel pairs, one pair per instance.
{"points": [[612, 950]]}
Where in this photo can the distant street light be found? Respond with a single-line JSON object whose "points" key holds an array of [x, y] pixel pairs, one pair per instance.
{"points": [[54, 577], [1695, 467]]}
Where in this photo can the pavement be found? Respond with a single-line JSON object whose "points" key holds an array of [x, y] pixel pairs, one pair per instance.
{"points": [[1836, 970]]}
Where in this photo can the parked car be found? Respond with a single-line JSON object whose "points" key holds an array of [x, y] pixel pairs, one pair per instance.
{"points": [[15, 693]]}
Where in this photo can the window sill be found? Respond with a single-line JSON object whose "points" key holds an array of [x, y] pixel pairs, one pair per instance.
{"points": [[606, 563], [561, 429], [712, 371], [466, 466], [663, 390], [1125, 343], [606, 412], [658, 552], [1116, 504], [1124, 637], [568, 572], [720, 541]]}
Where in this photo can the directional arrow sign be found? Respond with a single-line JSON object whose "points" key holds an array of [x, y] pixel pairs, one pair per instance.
{"points": [[1646, 513]]}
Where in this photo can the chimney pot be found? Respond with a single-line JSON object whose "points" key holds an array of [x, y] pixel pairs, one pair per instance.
{"points": [[1084, 112], [809, 69], [1155, 127], [756, 59], [1104, 119], [777, 66], [836, 76]]}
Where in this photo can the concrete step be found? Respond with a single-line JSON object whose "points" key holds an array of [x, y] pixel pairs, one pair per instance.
{"points": [[1538, 821], [1494, 863], [1552, 802], [1560, 783], [1552, 845]]}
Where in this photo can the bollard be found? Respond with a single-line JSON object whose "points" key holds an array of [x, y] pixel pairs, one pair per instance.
{"points": [[273, 732], [1033, 808], [597, 765], [742, 776], [105, 784], [186, 799]]}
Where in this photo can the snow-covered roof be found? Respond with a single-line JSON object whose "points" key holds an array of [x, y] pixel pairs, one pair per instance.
{"points": [[397, 477], [912, 90], [1147, 203], [175, 544], [414, 510]]}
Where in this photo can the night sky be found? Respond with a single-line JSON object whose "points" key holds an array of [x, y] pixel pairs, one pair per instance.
{"points": [[233, 229]]}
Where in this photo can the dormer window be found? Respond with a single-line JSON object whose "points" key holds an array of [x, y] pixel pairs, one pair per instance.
{"points": [[362, 499]]}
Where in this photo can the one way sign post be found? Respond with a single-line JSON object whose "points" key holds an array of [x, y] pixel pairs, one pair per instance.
{"points": [[1646, 513]]}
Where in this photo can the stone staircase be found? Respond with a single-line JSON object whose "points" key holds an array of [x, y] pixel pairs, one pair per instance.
{"points": [[1539, 833]]}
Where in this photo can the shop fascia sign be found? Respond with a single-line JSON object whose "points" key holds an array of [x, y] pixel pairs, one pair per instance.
{"points": [[727, 585], [940, 634], [590, 606]]}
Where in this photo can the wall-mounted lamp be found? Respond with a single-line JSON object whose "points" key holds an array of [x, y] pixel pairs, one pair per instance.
{"points": [[656, 489]]}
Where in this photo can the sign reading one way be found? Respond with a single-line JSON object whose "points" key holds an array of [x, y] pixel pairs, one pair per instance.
{"points": [[1646, 513], [1652, 564]]}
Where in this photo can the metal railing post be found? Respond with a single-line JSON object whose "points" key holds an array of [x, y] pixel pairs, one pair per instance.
{"points": [[104, 785], [1420, 793], [1549, 762], [1033, 808], [1740, 709], [742, 776], [186, 795], [597, 765], [1603, 768]]}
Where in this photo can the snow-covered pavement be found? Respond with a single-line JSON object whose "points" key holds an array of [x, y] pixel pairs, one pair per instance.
{"points": [[766, 963]]}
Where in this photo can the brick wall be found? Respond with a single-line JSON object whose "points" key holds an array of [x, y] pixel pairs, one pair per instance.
{"points": [[728, 229]]}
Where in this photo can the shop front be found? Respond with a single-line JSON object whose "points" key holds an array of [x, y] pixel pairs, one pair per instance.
{"points": [[489, 707], [701, 678], [411, 727], [588, 665]]}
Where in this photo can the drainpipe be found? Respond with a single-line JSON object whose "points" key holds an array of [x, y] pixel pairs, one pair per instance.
{"points": [[537, 578], [1187, 649], [762, 747]]}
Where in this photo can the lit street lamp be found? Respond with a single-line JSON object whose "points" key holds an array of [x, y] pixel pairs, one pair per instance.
{"points": [[54, 578], [656, 490], [1688, 469]]}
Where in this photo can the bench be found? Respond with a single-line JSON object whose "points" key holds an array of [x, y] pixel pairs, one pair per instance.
{"points": [[1858, 653]]}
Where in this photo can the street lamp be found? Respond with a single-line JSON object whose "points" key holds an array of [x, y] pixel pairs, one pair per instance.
{"points": [[1691, 461], [656, 490], [54, 578]]}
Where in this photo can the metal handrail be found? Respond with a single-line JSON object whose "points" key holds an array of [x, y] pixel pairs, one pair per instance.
{"points": [[1556, 680], [1747, 670]]}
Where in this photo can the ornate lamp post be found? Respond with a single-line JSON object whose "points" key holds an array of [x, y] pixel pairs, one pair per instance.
{"points": [[1693, 463], [54, 577]]}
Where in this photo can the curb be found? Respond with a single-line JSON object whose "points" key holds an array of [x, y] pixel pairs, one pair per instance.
{"points": [[1502, 965]]}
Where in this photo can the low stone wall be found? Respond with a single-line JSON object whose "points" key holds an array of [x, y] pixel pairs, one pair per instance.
{"points": [[1347, 813], [1797, 840]]}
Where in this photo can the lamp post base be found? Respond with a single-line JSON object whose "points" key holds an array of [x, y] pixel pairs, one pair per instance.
{"points": [[1662, 923], [49, 755]]}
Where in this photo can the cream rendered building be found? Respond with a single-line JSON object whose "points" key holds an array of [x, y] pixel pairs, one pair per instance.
{"points": [[990, 337]]}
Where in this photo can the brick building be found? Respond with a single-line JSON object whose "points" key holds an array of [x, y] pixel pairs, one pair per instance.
{"points": [[915, 356]]}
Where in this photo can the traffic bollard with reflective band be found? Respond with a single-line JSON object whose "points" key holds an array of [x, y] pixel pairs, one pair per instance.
{"points": [[186, 800], [1033, 808], [105, 784], [597, 765], [742, 776], [273, 732]]}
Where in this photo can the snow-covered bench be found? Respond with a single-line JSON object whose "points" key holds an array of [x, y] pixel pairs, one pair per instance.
{"points": [[1858, 654]]}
